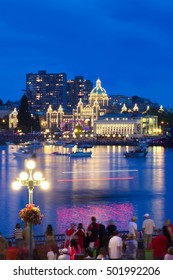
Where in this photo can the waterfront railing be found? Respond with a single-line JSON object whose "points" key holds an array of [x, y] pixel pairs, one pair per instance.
{"points": [[60, 238]]}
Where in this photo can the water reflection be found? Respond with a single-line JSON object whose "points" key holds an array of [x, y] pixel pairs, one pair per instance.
{"points": [[106, 185], [120, 213]]}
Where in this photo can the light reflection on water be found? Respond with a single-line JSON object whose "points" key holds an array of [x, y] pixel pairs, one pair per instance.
{"points": [[120, 212], [107, 185]]}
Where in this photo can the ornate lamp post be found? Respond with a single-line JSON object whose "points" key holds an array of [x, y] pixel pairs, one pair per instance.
{"points": [[30, 180]]}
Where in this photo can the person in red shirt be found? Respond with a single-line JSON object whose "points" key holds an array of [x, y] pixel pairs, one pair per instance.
{"points": [[69, 235], [80, 234], [159, 245], [74, 249]]}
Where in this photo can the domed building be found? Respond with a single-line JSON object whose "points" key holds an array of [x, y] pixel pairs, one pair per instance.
{"points": [[98, 94]]}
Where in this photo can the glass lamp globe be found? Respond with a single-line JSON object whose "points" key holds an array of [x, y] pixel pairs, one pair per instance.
{"points": [[23, 176], [44, 185], [37, 176], [30, 164], [16, 185]]}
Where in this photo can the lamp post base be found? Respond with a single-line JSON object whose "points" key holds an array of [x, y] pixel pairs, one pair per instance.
{"points": [[30, 241]]}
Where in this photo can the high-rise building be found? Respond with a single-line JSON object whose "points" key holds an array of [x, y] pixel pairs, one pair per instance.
{"points": [[78, 89], [43, 89]]}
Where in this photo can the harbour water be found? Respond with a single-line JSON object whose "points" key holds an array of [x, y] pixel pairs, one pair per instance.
{"points": [[107, 185]]}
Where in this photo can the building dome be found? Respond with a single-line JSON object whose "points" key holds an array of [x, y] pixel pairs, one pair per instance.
{"points": [[98, 94], [98, 89]]}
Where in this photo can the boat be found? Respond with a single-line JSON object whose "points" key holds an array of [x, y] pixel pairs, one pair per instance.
{"points": [[23, 153], [79, 153], [58, 143], [49, 142], [139, 152], [60, 154], [85, 145], [34, 145], [69, 145]]}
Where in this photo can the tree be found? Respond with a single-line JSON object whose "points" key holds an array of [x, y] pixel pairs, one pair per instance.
{"points": [[36, 123], [24, 116], [4, 122], [78, 129]]}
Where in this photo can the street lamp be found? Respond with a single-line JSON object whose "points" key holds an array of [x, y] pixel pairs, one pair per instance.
{"points": [[30, 180]]}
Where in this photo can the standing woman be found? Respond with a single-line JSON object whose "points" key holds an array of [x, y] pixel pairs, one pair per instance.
{"points": [[74, 249], [80, 234], [49, 235], [18, 235]]}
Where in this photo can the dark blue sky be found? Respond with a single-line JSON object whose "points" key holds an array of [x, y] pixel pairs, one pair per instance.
{"points": [[128, 44]]}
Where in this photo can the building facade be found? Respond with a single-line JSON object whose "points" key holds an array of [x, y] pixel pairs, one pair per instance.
{"points": [[78, 88], [13, 119], [126, 125], [83, 115], [43, 89]]}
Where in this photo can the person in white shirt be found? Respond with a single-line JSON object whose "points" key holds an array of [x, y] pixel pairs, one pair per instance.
{"points": [[115, 247], [18, 235], [148, 227], [64, 255], [51, 255], [133, 227]]}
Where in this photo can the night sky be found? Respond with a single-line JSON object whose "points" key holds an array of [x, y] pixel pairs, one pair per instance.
{"points": [[128, 44]]}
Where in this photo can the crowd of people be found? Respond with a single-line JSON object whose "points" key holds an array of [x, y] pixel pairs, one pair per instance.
{"points": [[97, 241]]}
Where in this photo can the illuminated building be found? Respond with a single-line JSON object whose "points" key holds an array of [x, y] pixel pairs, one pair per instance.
{"points": [[98, 94], [85, 115], [77, 89], [57, 118], [43, 89], [94, 115], [127, 124], [13, 119]]}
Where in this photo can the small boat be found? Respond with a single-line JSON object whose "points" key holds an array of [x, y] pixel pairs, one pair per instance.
{"points": [[85, 146], [138, 152], [49, 142], [80, 153], [58, 143], [23, 153], [34, 145], [60, 154], [69, 145]]}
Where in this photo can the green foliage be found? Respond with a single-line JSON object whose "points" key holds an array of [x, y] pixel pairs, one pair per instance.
{"points": [[4, 122], [24, 116], [78, 129], [36, 123]]}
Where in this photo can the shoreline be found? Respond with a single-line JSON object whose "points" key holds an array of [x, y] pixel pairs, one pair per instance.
{"points": [[154, 141]]}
